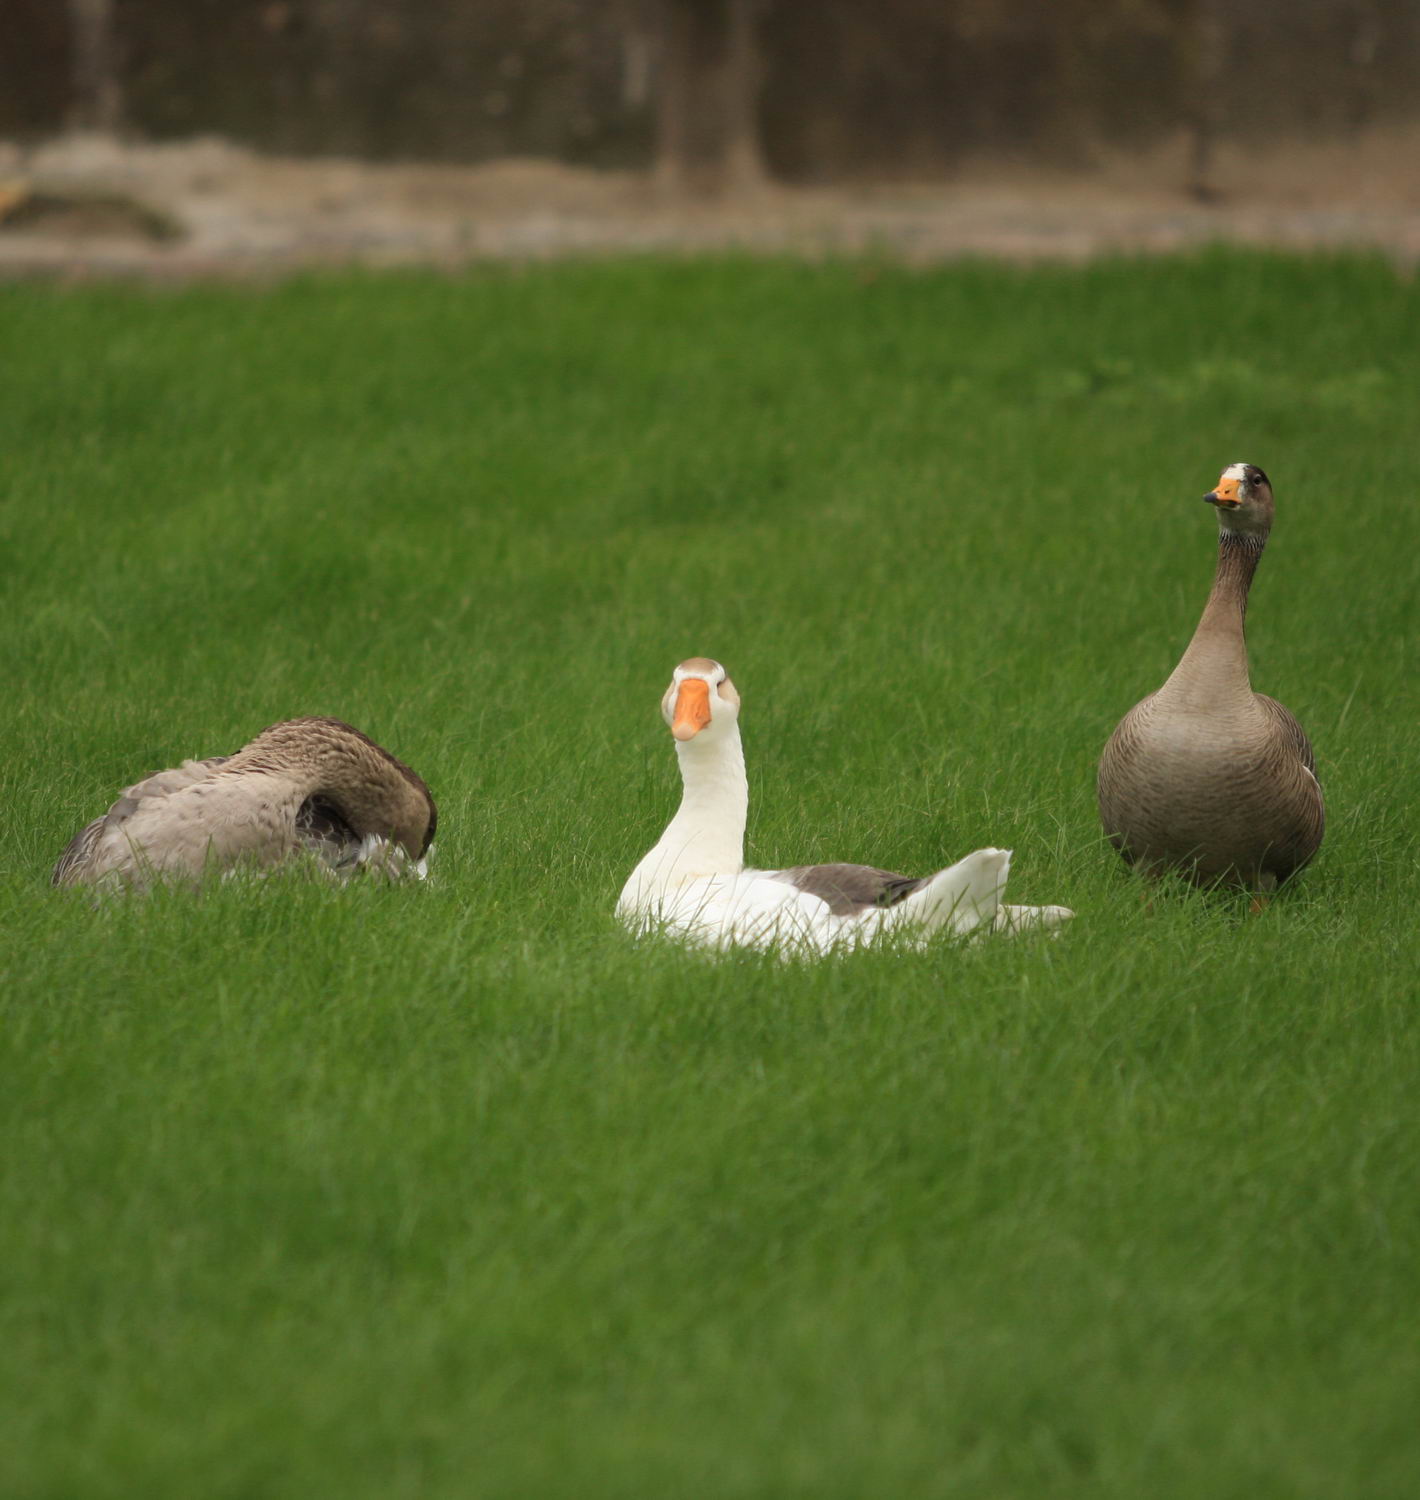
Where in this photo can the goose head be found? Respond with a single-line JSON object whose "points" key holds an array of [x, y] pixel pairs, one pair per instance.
{"points": [[376, 794], [701, 703], [1243, 496]]}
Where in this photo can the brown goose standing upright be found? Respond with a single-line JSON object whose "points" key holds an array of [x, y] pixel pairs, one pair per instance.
{"points": [[304, 786], [1206, 776]]}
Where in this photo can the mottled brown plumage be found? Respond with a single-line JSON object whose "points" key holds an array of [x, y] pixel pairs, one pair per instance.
{"points": [[1205, 776], [304, 786]]}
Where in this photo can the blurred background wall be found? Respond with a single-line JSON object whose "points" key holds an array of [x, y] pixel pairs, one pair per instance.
{"points": [[713, 91]]}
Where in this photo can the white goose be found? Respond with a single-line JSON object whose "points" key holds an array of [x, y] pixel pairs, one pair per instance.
{"points": [[694, 884]]}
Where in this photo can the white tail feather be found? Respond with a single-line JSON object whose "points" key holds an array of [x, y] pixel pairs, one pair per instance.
{"points": [[962, 897], [1031, 918]]}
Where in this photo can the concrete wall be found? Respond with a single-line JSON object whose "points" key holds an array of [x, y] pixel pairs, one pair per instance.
{"points": [[850, 88]]}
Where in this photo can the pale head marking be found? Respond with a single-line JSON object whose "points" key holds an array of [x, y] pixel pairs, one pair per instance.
{"points": [[1236, 471], [699, 666], [696, 684]]}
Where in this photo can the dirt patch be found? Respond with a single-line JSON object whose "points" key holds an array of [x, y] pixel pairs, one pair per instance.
{"points": [[209, 207]]}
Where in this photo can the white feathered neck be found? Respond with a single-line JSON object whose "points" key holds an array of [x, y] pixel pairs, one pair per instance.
{"points": [[707, 834]]}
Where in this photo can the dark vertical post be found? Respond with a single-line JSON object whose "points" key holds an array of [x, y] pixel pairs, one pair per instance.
{"points": [[1204, 47], [674, 85], [97, 99], [743, 76]]}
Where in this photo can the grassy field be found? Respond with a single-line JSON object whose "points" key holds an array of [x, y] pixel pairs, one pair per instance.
{"points": [[456, 1191]]}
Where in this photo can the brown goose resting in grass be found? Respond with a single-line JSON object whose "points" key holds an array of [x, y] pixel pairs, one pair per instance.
{"points": [[1205, 776], [303, 787]]}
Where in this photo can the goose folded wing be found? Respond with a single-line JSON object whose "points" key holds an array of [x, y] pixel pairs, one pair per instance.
{"points": [[849, 889], [1289, 731], [1302, 790], [82, 848]]}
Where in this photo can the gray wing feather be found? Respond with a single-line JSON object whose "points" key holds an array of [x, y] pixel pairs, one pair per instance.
{"points": [[163, 783], [1291, 732], [78, 852], [849, 889], [83, 847], [1304, 792]]}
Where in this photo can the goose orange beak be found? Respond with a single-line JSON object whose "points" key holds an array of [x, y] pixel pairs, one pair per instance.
{"points": [[1225, 496], [692, 708]]}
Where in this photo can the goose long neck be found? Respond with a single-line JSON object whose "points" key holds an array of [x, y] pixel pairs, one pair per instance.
{"points": [[707, 834], [374, 792], [1216, 658]]}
